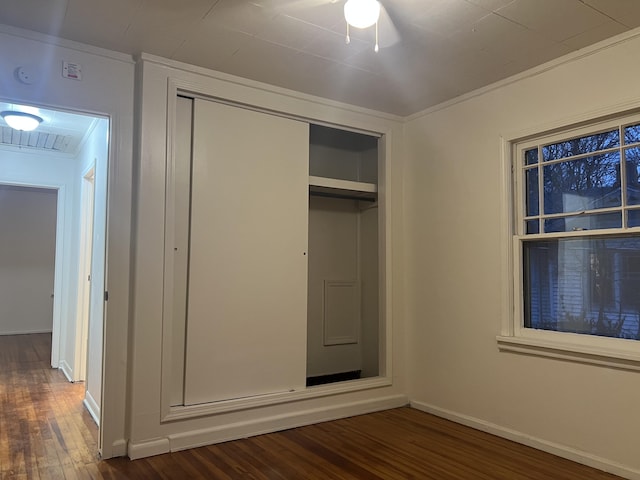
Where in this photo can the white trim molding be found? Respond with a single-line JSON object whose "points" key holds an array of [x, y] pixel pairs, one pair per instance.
{"points": [[593, 355], [239, 430], [92, 406], [531, 72], [285, 93], [66, 369], [149, 448], [182, 412], [553, 448], [119, 448]]}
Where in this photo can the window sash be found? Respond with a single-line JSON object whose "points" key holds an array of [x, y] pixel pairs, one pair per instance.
{"points": [[520, 167], [584, 347]]}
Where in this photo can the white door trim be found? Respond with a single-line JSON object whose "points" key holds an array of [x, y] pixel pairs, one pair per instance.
{"points": [[87, 197]]}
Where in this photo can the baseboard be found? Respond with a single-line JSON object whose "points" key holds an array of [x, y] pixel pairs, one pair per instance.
{"points": [[92, 406], [119, 448], [65, 368], [235, 431], [563, 451], [149, 448]]}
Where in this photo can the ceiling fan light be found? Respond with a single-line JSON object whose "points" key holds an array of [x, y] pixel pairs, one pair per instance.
{"points": [[361, 13], [21, 120]]}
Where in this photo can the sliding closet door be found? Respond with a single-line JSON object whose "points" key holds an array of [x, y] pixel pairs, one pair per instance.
{"points": [[246, 320]]}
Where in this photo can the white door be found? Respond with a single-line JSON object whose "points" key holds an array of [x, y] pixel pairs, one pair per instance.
{"points": [[246, 320]]}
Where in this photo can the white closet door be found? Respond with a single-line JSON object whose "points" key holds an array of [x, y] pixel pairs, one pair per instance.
{"points": [[246, 321]]}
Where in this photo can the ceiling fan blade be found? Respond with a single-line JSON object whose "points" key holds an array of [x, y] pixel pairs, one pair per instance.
{"points": [[388, 34]]}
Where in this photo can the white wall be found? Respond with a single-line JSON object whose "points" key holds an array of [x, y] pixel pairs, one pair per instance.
{"points": [[27, 254], [370, 334], [94, 153], [455, 291], [106, 88]]}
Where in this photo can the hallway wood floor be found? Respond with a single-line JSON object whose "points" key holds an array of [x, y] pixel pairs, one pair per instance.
{"points": [[45, 433]]}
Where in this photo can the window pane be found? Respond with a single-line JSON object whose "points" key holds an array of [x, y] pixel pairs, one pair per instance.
{"points": [[532, 192], [632, 134], [578, 146], [531, 156], [532, 226], [583, 286], [633, 219], [585, 184], [632, 159], [576, 223]]}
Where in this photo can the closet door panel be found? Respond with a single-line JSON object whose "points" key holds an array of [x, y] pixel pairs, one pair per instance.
{"points": [[246, 321]]}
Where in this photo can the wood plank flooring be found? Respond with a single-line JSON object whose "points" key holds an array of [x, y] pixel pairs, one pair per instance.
{"points": [[44, 430], [45, 433]]}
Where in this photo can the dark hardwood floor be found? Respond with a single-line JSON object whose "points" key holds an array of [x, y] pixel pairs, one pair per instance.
{"points": [[45, 433]]}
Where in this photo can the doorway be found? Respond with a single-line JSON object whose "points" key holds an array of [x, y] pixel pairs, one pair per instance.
{"points": [[68, 153], [27, 259]]}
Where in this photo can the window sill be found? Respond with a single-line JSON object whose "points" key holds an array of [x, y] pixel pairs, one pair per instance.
{"points": [[625, 359]]}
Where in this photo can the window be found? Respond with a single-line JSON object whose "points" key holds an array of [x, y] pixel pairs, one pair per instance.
{"points": [[576, 236]]}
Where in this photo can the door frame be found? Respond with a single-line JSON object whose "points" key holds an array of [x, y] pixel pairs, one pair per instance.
{"points": [[87, 206], [59, 260], [69, 218]]}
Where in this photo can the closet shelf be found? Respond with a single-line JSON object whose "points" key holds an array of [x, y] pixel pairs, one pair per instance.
{"points": [[334, 186]]}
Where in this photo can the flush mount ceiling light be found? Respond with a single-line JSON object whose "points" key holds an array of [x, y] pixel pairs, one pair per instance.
{"points": [[21, 120], [362, 14]]}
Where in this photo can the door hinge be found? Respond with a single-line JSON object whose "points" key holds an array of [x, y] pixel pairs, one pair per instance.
{"points": [[106, 296]]}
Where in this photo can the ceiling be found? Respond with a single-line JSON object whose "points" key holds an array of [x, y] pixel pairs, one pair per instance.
{"points": [[447, 47], [59, 133]]}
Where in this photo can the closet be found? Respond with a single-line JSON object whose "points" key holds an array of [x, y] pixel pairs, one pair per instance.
{"points": [[271, 258], [342, 298]]}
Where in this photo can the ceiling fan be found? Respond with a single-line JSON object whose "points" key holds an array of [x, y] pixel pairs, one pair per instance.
{"points": [[367, 13], [360, 14]]}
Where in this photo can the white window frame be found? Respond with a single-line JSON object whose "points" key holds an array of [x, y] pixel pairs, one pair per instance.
{"points": [[514, 336]]}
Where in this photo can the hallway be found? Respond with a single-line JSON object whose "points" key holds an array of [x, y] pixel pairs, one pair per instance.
{"points": [[45, 431]]}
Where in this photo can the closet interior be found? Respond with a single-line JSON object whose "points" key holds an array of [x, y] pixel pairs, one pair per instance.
{"points": [[342, 299]]}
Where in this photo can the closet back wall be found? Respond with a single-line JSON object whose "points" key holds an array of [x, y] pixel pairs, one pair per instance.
{"points": [[333, 260]]}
